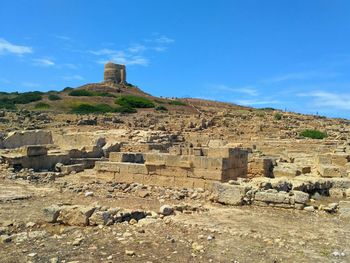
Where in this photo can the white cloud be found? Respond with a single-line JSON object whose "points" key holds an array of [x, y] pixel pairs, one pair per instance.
{"points": [[314, 74], [43, 62], [135, 54], [73, 77], [256, 102], [9, 48], [328, 99], [137, 48], [244, 90], [164, 40]]}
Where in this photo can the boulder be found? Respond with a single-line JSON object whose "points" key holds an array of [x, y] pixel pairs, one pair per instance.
{"points": [[301, 197], [100, 218], [76, 215], [52, 213], [230, 194]]}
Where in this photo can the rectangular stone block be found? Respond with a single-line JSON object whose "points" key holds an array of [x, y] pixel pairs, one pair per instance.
{"points": [[206, 174], [34, 150], [331, 171]]}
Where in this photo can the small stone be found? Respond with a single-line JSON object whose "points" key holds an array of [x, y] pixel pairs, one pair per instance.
{"points": [[166, 210], [77, 241], [309, 208], [54, 260], [336, 254], [129, 253], [32, 255], [210, 237], [89, 194], [133, 221], [30, 224]]}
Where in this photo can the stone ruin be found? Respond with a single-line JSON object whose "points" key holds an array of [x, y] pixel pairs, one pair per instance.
{"points": [[114, 73], [190, 168], [235, 174]]}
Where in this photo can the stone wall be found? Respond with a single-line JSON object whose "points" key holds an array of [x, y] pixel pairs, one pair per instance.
{"points": [[200, 169]]}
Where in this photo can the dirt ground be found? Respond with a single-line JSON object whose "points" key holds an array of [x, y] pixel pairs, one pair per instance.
{"points": [[214, 234]]}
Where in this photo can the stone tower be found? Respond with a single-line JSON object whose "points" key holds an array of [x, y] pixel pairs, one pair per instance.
{"points": [[115, 73]]}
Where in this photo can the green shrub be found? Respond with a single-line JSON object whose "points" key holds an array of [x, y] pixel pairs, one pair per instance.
{"points": [[54, 97], [27, 97], [85, 108], [313, 134], [177, 103], [267, 109], [6, 103], [66, 89], [41, 105], [278, 116], [124, 109], [134, 102], [87, 93], [161, 108], [80, 93]]}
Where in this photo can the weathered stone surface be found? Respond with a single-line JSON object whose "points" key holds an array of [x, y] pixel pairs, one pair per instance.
{"points": [[344, 209], [100, 218], [301, 197], [34, 150], [18, 139], [76, 215], [230, 194], [270, 197], [67, 169], [52, 213], [166, 210]]}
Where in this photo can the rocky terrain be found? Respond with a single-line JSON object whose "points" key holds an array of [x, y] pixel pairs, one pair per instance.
{"points": [[151, 179]]}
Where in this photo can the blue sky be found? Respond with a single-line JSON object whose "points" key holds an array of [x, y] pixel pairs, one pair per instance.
{"points": [[291, 54]]}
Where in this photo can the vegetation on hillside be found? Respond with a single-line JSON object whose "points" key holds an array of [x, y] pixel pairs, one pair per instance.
{"points": [[86, 108], [88, 93], [54, 97], [177, 103], [131, 101], [41, 106], [313, 134]]}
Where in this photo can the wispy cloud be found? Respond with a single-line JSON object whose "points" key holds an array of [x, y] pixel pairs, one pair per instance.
{"points": [[62, 37], [30, 84], [43, 62], [314, 74], [244, 90], [73, 77], [256, 102], [135, 54], [328, 99], [9, 48]]}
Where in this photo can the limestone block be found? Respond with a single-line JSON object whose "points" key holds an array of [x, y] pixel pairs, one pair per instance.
{"points": [[331, 171], [34, 150], [230, 194], [272, 197], [301, 197], [72, 168], [323, 159], [206, 174], [18, 139], [136, 168], [200, 162], [340, 159]]}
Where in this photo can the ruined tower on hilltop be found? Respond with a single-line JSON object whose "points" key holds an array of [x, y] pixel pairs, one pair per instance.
{"points": [[115, 73]]}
